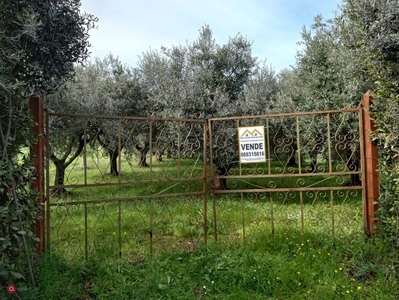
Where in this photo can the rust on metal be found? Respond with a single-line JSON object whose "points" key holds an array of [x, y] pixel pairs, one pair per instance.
{"points": [[37, 156], [371, 165]]}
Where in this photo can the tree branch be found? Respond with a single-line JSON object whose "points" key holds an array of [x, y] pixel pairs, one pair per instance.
{"points": [[77, 152]]}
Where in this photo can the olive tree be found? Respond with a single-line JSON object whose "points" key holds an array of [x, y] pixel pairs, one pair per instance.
{"points": [[203, 79], [327, 75], [102, 87], [375, 34]]}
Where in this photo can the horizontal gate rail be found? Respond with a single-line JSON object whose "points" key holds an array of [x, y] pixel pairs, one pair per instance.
{"points": [[280, 115], [349, 188], [67, 203], [112, 117]]}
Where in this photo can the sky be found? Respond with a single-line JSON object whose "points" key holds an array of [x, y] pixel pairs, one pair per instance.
{"points": [[128, 28]]}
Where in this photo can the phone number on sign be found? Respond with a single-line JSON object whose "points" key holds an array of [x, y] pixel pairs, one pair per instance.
{"points": [[253, 154]]}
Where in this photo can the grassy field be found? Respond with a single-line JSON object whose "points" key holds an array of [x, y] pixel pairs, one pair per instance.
{"points": [[285, 267], [271, 245], [165, 207]]}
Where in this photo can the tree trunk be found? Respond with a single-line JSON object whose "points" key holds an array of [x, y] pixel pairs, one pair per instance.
{"points": [[85, 165], [355, 180], [223, 184], [158, 155], [113, 153], [169, 154], [223, 171], [59, 178], [292, 161], [142, 155], [113, 160], [143, 158], [62, 163]]}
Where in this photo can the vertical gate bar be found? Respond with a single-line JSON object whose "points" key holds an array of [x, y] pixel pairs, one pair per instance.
{"points": [[48, 194], [210, 146], [214, 217], [120, 227], [299, 145], [302, 216], [120, 150], [363, 168], [37, 157], [212, 179], [86, 234], [243, 216], [272, 212], [238, 150], [268, 146], [330, 170], [332, 212], [205, 184]]}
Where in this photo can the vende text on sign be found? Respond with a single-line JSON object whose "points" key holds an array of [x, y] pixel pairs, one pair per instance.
{"points": [[252, 144]]}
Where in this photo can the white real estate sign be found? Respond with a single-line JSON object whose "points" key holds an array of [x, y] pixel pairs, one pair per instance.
{"points": [[252, 144]]}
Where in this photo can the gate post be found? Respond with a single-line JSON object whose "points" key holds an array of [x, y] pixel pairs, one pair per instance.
{"points": [[37, 156], [371, 180]]}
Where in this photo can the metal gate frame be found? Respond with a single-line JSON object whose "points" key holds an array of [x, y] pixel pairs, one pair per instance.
{"points": [[267, 175], [155, 135], [369, 162]]}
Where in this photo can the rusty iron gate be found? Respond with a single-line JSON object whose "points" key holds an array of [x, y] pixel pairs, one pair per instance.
{"points": [[171, 184], [124, 186], [310, 183]]}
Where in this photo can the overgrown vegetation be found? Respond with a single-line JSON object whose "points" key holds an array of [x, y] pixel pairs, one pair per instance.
{"points": [[282, 268], [286, 265], [375, 35], [40, 41], [18, 209]]}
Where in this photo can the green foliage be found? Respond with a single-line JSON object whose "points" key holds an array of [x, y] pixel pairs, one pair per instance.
{"points": [[18, 209], [32, 54], [326, 75], [287, 266], [388, 210], [102, 87], [204, 79], [40, 41], [375, 33], [199, 80]]}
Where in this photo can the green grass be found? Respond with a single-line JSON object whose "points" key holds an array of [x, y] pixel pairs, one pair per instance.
{"points": [[122, 228], [106, 221], [268, 245], [284, 267]]}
